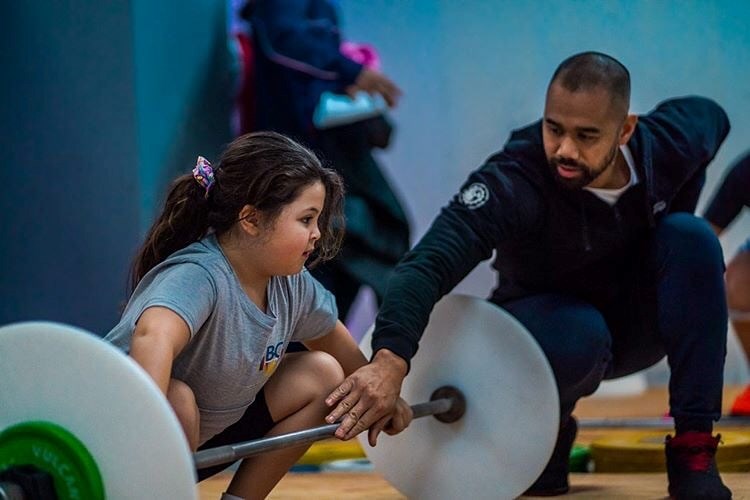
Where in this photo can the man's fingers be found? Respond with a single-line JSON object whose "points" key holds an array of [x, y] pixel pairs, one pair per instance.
{"points": [[395, 425], [347, 423], [339, 392], [362, 423], [400, 420], [364, 398], [342, 409], [375, 430], [345, 396], [351, 424]]}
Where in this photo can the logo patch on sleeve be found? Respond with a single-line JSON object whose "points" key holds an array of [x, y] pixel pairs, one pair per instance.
{"points": [[474, 196]]}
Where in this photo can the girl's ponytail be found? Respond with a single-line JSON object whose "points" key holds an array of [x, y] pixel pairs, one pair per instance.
{"points": [[183, 221]]}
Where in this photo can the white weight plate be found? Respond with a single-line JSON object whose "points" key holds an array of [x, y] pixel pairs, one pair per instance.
{"points": [[505, 438], [70, 377]]}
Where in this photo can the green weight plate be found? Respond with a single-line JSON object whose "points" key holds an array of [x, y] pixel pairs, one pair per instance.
{"points": [[54, 450]]}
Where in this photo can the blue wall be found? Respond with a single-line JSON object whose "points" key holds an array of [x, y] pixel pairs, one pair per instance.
{"points": [[70, 179], [183, 84], [102, 104]]}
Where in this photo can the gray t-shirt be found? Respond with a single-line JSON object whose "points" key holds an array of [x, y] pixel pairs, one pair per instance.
{"points": [[234, 347]]}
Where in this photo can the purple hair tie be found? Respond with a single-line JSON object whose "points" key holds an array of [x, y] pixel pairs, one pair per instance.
{"points": [[203, 173]]}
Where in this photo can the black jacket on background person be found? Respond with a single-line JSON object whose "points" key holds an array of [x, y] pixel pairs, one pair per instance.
{"points": [[297, 59], [548, 238]]}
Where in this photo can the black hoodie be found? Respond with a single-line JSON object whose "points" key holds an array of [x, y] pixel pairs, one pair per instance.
{"points": [[548, 238]]}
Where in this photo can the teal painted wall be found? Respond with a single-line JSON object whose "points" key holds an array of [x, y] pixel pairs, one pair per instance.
{"points": [[69, 181], [183, 85], [102, 103]]}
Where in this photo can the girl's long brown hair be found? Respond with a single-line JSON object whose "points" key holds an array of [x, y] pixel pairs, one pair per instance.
{"points": [[263, 169]]}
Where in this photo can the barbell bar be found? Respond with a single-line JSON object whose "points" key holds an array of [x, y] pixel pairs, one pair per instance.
{"points": [[447, 404]]}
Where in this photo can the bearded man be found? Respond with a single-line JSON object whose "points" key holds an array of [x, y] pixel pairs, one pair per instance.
{"points": [[598, 254]]}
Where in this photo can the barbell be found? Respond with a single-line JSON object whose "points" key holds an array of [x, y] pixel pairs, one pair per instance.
{"points": [[91, 421], [447, 404]]}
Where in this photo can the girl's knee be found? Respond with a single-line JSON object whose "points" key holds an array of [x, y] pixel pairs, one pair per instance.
{"points": [[302, 379], [326, 370]]}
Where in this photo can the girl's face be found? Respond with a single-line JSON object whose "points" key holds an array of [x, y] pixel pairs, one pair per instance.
{"points": [[291, 240]]}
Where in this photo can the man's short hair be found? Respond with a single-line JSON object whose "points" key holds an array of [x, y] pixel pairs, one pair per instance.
{"points": [[589, 70]]}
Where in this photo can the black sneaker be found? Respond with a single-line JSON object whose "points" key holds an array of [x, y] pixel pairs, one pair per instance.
{"points": [[554, 478], [691, 467]]}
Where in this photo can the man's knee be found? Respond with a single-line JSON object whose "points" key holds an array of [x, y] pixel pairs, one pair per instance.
{"points": [[689, 239], [572, 333], [583, 351], [586, 359]]}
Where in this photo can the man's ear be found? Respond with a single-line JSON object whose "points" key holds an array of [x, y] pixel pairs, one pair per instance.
{"points": [[628, 128], [249, 220]]}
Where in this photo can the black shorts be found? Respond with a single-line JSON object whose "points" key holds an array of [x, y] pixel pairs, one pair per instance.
{"points": [[254, 424]]}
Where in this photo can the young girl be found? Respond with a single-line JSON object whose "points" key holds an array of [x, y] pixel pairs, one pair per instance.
{"points": [[220, 289]]}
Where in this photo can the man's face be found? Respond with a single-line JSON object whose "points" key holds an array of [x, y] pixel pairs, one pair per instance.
{"points": [[582, 132]]}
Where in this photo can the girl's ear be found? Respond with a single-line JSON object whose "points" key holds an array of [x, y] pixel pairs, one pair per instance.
{"points": [[249, 220]]}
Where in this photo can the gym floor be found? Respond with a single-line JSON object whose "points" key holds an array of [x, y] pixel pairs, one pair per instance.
{"points": [[652, 403]]}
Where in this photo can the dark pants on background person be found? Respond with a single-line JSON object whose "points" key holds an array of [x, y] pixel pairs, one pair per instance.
{"points": [[675, 306]]}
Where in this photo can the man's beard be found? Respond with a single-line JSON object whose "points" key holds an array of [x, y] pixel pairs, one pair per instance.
{"points": [[588, 174]]}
